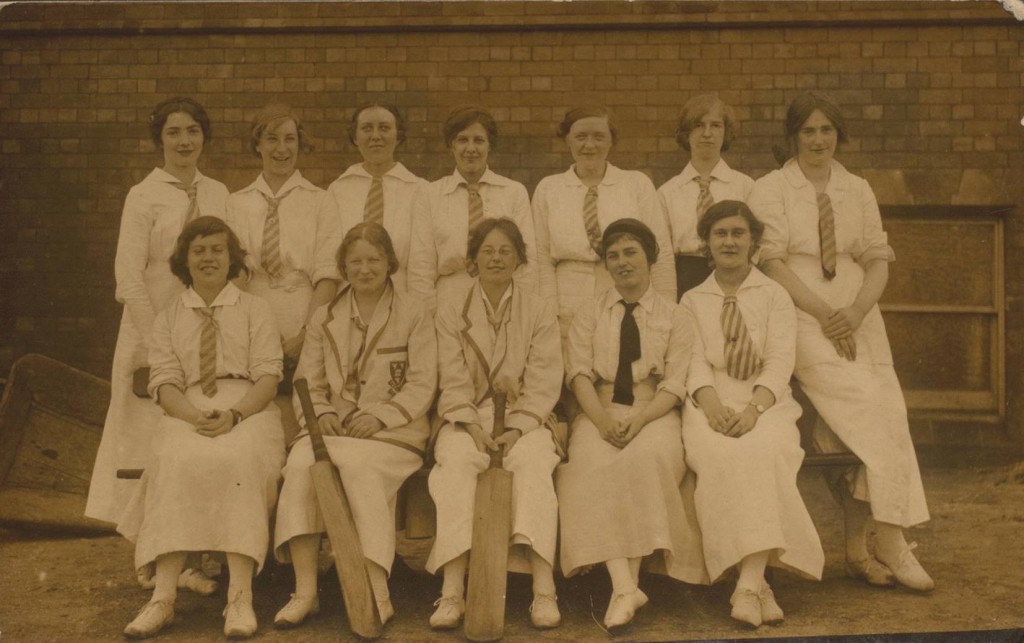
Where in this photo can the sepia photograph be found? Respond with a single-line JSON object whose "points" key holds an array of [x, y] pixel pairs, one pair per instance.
{"points": [[521, 320]]}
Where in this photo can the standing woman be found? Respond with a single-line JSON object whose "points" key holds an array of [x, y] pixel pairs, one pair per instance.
{"points": [[739, 424], [290, 238], [215, 358], [154, 213], [447, 210], [371, 362], [571, 211], [496, 336], [824, 243], [618, 496], [379, 189], [707, 127]]}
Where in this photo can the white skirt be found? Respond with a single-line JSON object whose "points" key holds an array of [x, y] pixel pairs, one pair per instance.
{"points": [[627, 503], [452, 484], [371, 471], [208, 494], [746, 496]]}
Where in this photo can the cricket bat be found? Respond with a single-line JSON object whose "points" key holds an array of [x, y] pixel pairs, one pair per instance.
{"points": [[488, 558], [349, 563]]}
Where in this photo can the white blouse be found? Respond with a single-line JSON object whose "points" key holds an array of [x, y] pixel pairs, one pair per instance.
{"points": [[562, 234], [679, 195], [347, 203], [248, 344], [309, 235], [440, 229], [154, 214], [770, 318], [666, 340]]}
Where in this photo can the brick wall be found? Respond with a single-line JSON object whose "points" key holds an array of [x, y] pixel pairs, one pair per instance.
{"points": [[932, 92]]}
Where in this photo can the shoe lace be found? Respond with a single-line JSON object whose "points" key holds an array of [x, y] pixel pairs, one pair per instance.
{"points": [[161, 604]]}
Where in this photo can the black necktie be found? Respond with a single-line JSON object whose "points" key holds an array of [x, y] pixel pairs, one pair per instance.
{"points": [[629, 352]]}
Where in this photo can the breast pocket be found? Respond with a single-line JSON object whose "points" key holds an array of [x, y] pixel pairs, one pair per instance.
{"points": [[395, 359]]}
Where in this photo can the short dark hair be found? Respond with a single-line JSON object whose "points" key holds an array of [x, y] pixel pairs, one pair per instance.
{"points": [[804, 105], [724, 210], [589, 111], [375, 235], [696, 109], [269, 117], [399, 121], [630, 229], [160, 114], [506, 226], [205, 226], [462, 117]]}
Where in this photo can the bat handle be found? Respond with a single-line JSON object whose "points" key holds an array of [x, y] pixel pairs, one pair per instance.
{"points": [[500, 399], [301, 388]]}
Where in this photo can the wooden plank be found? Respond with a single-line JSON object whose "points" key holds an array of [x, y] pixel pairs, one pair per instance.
{"points": [[52, 509]]}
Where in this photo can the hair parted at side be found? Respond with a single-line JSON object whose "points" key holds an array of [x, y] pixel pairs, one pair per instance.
{"points": [[630, 229], [269, 118], [462, 117], [806, 104], [724, 210], [205, 226], [587, 111], [375, 235], [696, 109], [504, 225], [353, 123], [158, 117]]}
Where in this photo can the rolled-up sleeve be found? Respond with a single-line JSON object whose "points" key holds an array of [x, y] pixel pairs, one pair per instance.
{"points": [[678, 354], [542, 380], [164, 365], [328, 238], [422, 269], [768, 204], [779, 356], [417, 393], [526, 276], [700, 372], [581, 344], [265, 356], [663, 272], [874, 243]]}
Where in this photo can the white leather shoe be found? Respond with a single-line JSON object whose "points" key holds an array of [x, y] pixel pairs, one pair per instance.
{"points": [[448, 614], [296, 611], [544, 612], [153, 617], [623, 607], [239, 618]]}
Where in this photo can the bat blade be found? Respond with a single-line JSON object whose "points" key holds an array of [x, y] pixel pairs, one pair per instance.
{"points": [[488, 562], [360, 606]]}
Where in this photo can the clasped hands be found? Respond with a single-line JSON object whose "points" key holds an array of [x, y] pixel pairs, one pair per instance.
{"points": [[213, 423], [839, 326], [725, 420], [363, 425], [619, 433]]}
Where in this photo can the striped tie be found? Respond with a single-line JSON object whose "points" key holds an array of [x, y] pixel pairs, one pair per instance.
{"points": [[741, 360], [590, 220], [373, 210], [271, 250], [476, 205], [208, 353], [704, 199], [193, 205], [827, 233]]}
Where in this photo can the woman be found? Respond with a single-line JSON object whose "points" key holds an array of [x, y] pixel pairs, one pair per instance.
{"points": [[290, 238], [824, 243], [371, 362], [496, 336], [572, 209], [154, 213], [215, 359], [707, 127], [379, 189], [447, 210], [739, 424], [618, 496]]}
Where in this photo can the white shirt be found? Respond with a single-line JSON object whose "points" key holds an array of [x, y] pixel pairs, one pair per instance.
{"points": [[248, 344], [441, 229], [347, 203], [666, 341], [679, 196], [309, 235], [154, 214], [562, 234], [770, 318]]}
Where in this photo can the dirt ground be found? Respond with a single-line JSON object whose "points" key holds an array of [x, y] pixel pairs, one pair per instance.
{"points": [[60, 588]]}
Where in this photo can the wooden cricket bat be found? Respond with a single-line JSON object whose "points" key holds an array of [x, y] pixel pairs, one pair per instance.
{"points": [[349, 563], [488, 558]]}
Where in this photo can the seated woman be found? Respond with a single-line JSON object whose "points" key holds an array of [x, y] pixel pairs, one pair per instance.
{"points": [[496, 336], [618, 496], [370, 358], [739, 424], [215, 360]]}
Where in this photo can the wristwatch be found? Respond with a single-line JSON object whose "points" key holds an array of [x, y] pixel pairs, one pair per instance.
{"points": [[760, 408], [236, 417]]}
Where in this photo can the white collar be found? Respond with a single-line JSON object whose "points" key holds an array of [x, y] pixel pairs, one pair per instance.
{"points": [[228, 296]]}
